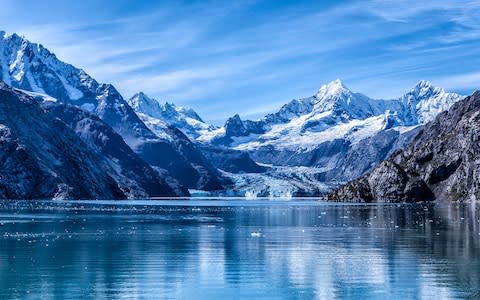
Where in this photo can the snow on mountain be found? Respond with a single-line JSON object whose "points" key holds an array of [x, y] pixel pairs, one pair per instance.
{"points": [[425, 101], [44, 158], [338, 131], [334, 112], [31, 67], [440, 164], [335, 134], [159, 116]]}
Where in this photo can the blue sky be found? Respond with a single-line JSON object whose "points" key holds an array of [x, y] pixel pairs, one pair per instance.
{"points": [[250, 57]]}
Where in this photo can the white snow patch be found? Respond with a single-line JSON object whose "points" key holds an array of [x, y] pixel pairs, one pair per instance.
{"points": [[33, 84], [90, 107], [43, 96], [156, 126], [73, 93], [208, 135]]}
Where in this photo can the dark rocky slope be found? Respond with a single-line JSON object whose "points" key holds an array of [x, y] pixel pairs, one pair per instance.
{"points": [[230, 160], [107, 143], [442, 163], [42, 158], [173, 151]]}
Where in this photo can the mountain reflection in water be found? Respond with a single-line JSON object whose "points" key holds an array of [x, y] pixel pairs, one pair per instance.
{"points": [[238, 249]]}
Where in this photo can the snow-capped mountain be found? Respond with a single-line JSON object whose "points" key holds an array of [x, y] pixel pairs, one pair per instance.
{"points": [[336, 134], [424, 102], [159, 116], [338, 131], [31, 67], [334, 111]]}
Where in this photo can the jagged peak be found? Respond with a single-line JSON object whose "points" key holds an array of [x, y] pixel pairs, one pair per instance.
{"points": [[234, 120], [142, 103], [235, 117], [12, 36], [145, 99], [332, 88], [150, 106], [139, 95], [108, 90], [424, 83], [169, 105], [424, 89]]}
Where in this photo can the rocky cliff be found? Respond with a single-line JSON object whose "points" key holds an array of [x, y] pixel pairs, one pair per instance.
{"points": [[442, 163]]}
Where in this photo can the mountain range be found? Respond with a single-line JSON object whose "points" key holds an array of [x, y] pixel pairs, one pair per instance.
{"points": [[306, 148], [324, 140]]}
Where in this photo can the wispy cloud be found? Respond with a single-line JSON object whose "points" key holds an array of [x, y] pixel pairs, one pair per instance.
{"points": [[248, 57], [460, 81]]}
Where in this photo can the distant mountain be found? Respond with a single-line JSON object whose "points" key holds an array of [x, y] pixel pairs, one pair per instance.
{"points": [[42, 158], [442, 163], [159, 116], [32, 67], [334, 136], [341, 132], [301, 122]]}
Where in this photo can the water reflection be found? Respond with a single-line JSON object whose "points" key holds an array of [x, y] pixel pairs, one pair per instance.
{"points": [[293, 251]]}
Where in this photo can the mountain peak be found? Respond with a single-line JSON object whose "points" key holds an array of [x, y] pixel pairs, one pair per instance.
{"points": [[141, 95], [140, 99], [140, 102], [234, 126], [335, 87], [335, 96], [424, 84], [424, 101], [333, 91], [425, 88]]}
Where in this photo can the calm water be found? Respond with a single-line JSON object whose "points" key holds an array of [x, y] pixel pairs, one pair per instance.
{"points": [[238, 249]]}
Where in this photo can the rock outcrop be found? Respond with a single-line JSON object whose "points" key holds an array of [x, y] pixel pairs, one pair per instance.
{"points": [[442, 163]]}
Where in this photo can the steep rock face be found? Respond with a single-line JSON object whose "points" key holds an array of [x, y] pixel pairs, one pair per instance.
{"points": [[230, 160], [442, 163], [42, 158], [32, 67], [101, 138], [191, 167]]}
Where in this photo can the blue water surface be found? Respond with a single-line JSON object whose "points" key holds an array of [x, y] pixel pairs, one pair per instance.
{"points": [[238, 249]]}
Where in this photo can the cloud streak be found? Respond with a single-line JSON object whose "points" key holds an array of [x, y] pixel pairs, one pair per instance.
{"points": [[249, 57]]}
